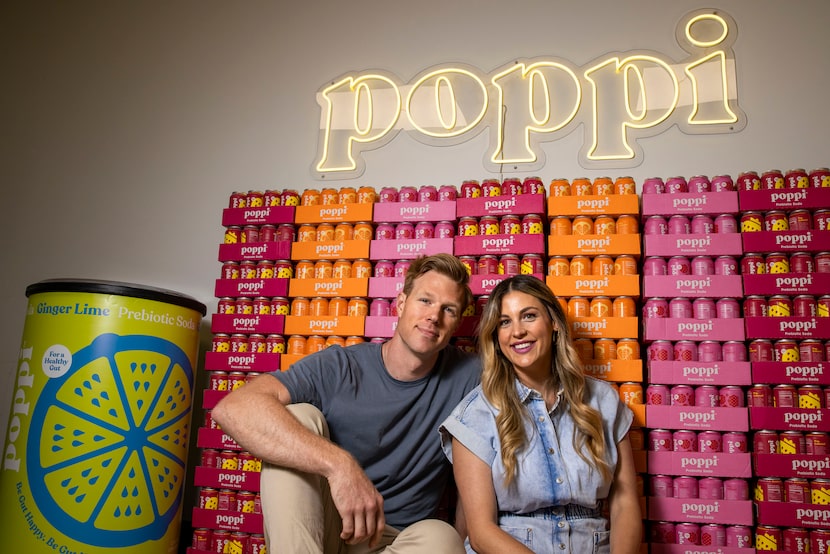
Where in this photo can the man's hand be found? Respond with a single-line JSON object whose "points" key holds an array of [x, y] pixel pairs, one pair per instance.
{"points": [[359, 503]]}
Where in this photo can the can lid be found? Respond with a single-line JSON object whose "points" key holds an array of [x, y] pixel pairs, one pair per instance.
{"points": [[117, 288]]}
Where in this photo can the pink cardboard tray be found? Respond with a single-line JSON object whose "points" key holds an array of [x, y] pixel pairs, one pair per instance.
{"points": [[791, 514], [812, 466], [393, 212], [700, 373], [796, 373], [484, 284], [708, 286], [787, 327], [768, 284], [242, 361], [499, 244], [715, 464], [691, 203], [790, 419], [216, 439], [278, 250], [784, 199], [251, 287], [721, 329], [786, 241], [724, 244], [233, 479], [500, 205], [257, 216], [227, 520], [698, 418], [247, 323], [385, 287], [408, 249], [730, 512]]}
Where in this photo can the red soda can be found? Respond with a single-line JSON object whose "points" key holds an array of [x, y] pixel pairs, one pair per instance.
{"points": [[796, 489], [822, 260], [752, 222], [490, 187], [802, 262], [238, 541], [676, 185], [275, 344], [685, 351], [810, 397], [201, 539], [722, 183], [531, 185], [796, 179], [820, 491], [811, 350], [761, 350], [662, 532], [256, 544], [776, 221], [532, 224], [731, 396], [239, 342], [209, 457], [532, 264], [769, 489], [255, 198], [218, 380], [237, 200], [699, 183], [226, 305], [654, 185], [734, 442], [245, 502], [470, 263], [791, 442], [765, 442], [447, 192], [510, 225], [821, 220], [748, 180], [660, 351], [725, 223], [249, 234], [755, 306], [804, 305], [468, 227], [784, 396], [470, 189], [772, 179], [256, 343], [208, 498], [488, 225], [800, 220], [816, 443], [265, 269], [760, 396], [753, 264], [267, 233], [795, 539], [820, 177], [509, 265], [779, 305], [286, 232]]}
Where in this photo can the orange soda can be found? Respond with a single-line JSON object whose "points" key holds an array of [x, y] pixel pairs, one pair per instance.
{"points": [[628, 349], [325, 232], [310, 197], [579, 306], [343, 231], [347, 195], [366, 195], [296, 345], [314, 343], [585, 349], [363, 231], [358, 307], [361, 269], [601, 306], [605, 225], [627, 225], [323, 269], [342, 269], [625, 185], [563, 303], [560, 225], [304, 269], [602, 186], [300, 306], [582, 225], [625, 264], [353, 340], [338, 306], [334, 340], [631, 393], [623, 306], [580, 265], [318, 307], [329, 196], [307, 233], [602, 265], [560, 187], [581, 186], [558, 266], [605, 350]]}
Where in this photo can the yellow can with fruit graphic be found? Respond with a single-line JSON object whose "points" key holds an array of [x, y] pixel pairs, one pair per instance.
{"points": [[96, 448]]}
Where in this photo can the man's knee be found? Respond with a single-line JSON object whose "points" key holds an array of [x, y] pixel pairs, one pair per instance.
{"points": [[310, 417], [431, 535]]}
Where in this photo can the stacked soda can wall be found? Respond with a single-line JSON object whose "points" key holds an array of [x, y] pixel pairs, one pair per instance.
{"points": [[698, 460]]}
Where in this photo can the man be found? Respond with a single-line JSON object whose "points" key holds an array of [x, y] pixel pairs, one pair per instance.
{"points": [[348, 436]]}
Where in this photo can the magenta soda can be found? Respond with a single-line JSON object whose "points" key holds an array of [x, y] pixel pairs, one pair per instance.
{"points": [[424, 230], [447, 192], [731, 396], [408, 194], [734, 351], [660, 440], [379, 307], [427, 193], [680, 307], [675, 185], [710, 488], [699, 183], [658, 395], [725, 223], [679, 265], [709, 441], [401, 267], [385, 231], [722, 183], [685, 351], [654, 185], [444, 230], [682, 395], [734, 442], [687, 533], [727, 308], [703, 265], [655, 265], [704, 308], [679, 225], [662, 532], [384, 268], [713, 534], [735, 489], [404, 231], [709, 351], [660, 351], [706, 396], [388, 194], [739, 536], [684, 441], [726, 265], [685, 486], [656, 307], [656, 225], [662, 486], [702, 224]]}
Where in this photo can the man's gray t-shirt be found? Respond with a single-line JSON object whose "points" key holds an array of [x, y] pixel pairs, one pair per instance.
{"points": [[389, 426]]}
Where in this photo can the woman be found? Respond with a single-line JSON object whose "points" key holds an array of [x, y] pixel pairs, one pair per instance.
{"points": [[538, 449]]}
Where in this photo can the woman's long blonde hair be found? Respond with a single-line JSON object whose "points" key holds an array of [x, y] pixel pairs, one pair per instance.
{"points": [[498, 381]]}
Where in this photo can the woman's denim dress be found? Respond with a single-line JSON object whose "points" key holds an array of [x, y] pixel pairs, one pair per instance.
{"points": [[554, 504]]}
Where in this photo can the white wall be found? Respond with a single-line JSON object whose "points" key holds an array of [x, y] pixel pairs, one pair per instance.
{"points": [[127, 125]]}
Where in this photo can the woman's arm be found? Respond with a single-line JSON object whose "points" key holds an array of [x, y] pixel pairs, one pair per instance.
{"points": [[626, 519], [477, 497]]}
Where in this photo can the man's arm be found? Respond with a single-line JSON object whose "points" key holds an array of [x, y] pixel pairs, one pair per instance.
{"points": [[256, 417]]}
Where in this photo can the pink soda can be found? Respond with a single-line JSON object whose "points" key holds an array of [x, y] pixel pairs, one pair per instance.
{"points": [[676, 184], [684, 441], [424, 230], [447, 192], [733, 351], [726, 265], [706, 396], [710, 488], [709, 351], [680, 308], [427, 193], [722, 183], [654, 185], [679, 225], [710, 441], [731, 396], [655, 265], [713, 534], [662, 485], [388, 194], [685, 351], [660, 440], [660, 351], [725, 223], [735, 442], [702, 224], [739, 536], [385, 231], [735, 488], [662, 532], [656, 225], [728, 308], [682, 395], [679, 265], [704, 308], [699, 183], [685, 486], [703, 265], [687, 533], [444, 230], [658, 395], [404, 231], [656, 307], [408, 194]]}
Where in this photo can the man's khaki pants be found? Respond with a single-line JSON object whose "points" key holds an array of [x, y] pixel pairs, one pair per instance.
{"points": [[300, 516]]}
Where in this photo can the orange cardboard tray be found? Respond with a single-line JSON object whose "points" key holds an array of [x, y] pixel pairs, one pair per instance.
{"points": [[347, 288], [334, 213], [589, 245], [594, 285], [345, 326], [341, 250], [615, 204]]}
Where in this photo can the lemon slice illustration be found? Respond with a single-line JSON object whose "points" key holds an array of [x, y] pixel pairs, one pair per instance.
{"points": [[109, 463]]}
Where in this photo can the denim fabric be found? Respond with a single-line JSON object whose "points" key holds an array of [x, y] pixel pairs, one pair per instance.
{"points": [[551, 479]]}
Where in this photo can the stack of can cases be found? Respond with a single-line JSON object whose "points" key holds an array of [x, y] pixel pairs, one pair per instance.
{"points": [[784, 223], [698, 459], [247, 339]]}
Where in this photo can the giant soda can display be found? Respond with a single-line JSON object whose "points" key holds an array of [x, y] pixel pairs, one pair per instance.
{"points": [[96, 448]]}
